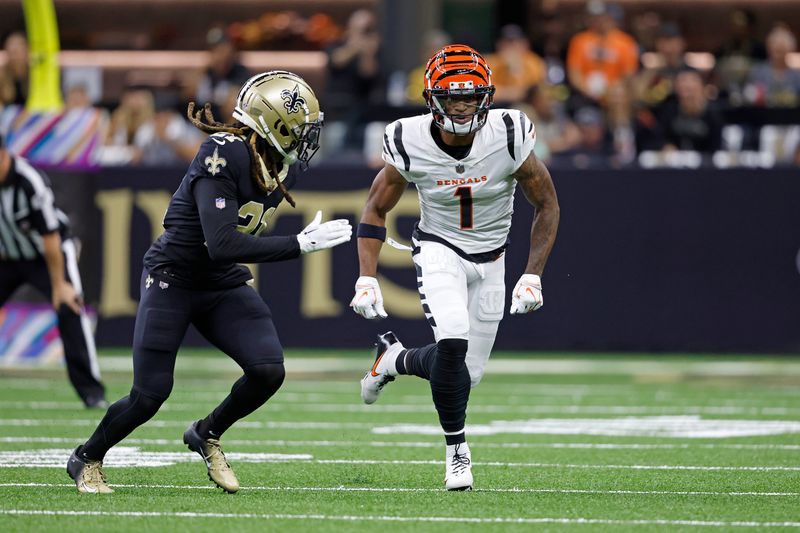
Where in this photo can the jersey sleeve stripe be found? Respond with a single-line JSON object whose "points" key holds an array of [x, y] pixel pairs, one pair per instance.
{"points": [[386, 147], [398, 143], [509, 134], [42, 191]]}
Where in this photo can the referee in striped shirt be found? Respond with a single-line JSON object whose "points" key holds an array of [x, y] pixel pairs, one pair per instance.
{"points": [[35, 248]]}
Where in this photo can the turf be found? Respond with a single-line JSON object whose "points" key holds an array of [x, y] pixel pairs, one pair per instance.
{"points": [[349, 470]]}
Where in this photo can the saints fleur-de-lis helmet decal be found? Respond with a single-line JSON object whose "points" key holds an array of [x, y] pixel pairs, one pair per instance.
{"points": [[292, 99], [282, 108]]}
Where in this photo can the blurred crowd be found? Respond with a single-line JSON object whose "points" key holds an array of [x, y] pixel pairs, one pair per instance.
{"points": [[613, 92]]}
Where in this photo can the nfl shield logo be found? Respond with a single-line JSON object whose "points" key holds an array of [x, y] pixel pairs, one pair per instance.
{"points": [[220, 203]]}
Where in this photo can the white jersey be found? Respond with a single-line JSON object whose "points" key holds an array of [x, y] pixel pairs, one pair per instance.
{"points": [[466, 202]]}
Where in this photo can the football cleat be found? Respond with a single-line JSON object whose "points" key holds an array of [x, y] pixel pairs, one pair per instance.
{"points": [[458, 467], [219, 471], [383, 370], [88, 475]]}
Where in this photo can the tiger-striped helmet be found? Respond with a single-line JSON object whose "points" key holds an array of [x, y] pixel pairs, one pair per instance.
{"points": [[458, 72]]}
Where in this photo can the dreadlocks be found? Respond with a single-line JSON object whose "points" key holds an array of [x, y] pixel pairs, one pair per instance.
{"points": [[204, 121]]}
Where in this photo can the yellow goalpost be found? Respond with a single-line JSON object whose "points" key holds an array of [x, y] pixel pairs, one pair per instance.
{"points": [[44, 93]]}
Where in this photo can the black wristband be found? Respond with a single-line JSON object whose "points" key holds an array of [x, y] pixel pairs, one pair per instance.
{"points": [[370, 231]]}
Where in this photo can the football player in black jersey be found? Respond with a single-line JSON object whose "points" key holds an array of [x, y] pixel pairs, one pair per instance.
{"points": [[191, 275]]}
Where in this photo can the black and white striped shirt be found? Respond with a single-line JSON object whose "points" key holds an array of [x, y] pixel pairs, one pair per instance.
{"points": [[27, 212]]}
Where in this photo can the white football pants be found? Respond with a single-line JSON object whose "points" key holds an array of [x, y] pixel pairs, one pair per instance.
{"points": [[461, 300]]}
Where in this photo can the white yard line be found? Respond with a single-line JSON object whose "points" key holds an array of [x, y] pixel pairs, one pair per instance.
{"points": [[352, 407], [423, 444], [184, 424], [381, 518], [423, 490], [124, 456], [534, 366]]}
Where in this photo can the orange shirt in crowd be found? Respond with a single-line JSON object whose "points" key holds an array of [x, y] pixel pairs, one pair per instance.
{"points": [[513, 81], [602, 60]]}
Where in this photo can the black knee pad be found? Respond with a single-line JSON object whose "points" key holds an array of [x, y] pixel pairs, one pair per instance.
{"points": [[268, 375], [452, 352]]}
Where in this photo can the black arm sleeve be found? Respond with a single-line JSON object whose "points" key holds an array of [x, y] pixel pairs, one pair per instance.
{"points": [[223, 240]]}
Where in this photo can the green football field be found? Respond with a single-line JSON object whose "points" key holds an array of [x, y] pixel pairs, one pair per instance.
{"points": [[559, 443]]}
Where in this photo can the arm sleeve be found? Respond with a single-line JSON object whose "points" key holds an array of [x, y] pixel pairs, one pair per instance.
{"points": [[224, 241]]}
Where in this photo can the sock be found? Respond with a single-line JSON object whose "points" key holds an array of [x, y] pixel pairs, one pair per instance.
{"points": [[249, 393], [122, 417], [418, 361], [455, 438], [450, 384]]}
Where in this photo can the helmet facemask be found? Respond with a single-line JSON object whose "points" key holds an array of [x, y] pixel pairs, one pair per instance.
{"points": [[478, 102]]}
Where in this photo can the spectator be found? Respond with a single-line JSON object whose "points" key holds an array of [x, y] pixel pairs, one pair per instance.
{"points": [[77, 97], [435, 40], [223, 73], [515, 68], [353, 74], [773, 83], [691, 123], [147, 130], [600, 56], [552, 47], [168, 138], [740, 51], [555, 132], [656, 85], [621, 124], [136, 108], [14, 74], [595, 146]]}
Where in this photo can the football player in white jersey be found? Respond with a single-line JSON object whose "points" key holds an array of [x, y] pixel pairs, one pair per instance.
{"points": [[465, 161]]}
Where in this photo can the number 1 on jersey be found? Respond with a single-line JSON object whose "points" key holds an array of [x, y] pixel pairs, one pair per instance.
{"points": [[465, 193]]}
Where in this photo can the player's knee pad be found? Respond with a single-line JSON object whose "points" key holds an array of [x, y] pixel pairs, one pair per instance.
{"points": [[270, 376], [451, 353]]}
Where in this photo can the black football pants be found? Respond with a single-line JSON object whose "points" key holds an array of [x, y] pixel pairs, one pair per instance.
{"points": [[236, 320]]}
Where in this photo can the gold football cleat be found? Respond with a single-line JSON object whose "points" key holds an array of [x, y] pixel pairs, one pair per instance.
{"points": [[88, 475], [219, 471]]}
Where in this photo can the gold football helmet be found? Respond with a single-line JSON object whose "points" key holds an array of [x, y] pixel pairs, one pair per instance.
{"points": [[282, 109]]}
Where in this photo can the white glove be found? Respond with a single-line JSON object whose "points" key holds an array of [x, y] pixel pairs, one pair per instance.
{"points": [[368, 301], [527, 295], [318, 236]]}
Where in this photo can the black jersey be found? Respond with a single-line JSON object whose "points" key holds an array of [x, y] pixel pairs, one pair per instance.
{"points": [[27, 212], [215, 218]]}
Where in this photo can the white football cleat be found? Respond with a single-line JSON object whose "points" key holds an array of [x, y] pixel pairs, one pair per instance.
{"points": [[458, 467], [383, 370]]}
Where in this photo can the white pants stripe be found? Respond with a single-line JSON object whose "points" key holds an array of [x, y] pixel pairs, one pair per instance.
{"points": [[71, 260]]}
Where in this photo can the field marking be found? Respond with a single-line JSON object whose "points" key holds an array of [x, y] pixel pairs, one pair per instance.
{"points": [[424, 444], [353, 407], [181, 424], [664, 426], [130, 456], [496, 365], [380, 518], [692, 427], [424, 490]]}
